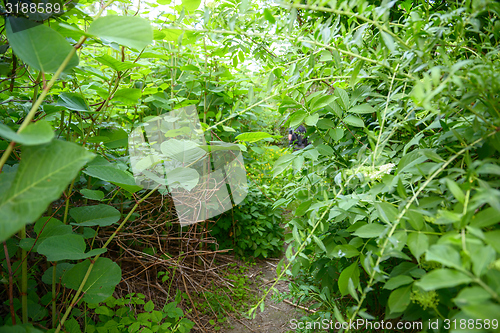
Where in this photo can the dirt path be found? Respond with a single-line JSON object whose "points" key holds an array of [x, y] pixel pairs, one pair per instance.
{"points": [[276, 316]]}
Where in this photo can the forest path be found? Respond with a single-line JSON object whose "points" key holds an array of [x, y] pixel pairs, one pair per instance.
{"points": [[276, 316]]}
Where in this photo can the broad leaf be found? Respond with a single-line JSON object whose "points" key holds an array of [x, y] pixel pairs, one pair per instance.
{"points": [[73, 102], [113, 175], [371, 230], [444, 254], [115, 64], [186, 178], [354, 121], [102, 280], [34, 134], [43, 173], [191, 5], [418, 243], [66, 247], [37, 45], [129, 96], [131, 31], [253, 136], [60, 270], [442, 278], [92, 194], [362, 108], [101, 215], [351, 272], [399, 299]]}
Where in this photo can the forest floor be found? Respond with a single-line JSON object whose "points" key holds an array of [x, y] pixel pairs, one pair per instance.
{"points": [[276, 316]]}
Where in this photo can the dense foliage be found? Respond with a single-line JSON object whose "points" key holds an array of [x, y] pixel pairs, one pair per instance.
{"points": [[394, 206]]}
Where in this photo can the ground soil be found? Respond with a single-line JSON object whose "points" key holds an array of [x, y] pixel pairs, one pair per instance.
{"points": [[276, 316]]}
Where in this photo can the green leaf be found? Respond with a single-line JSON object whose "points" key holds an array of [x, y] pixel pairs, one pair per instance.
{"points": [[354, 121], [442, 278], [362, 108], [336, 133], [387, 212], [51, 227], [120, 66], [92, 194], [186, 178], [486, 311], [269, 16], [228, 129], [114, 138], [344, 98], [444, 254], [399, 299], [191, 5], [61, 269], [455, 190], [485, 218], [131, 31], [388, 40], [37, 45], [102, 280], [418, 243], [370, 230], [471, 295], [312, 119], [351, 272], [325, 150], [253, 136], [129, 96], [101, 215], [297, 118], [66, 247], [149, 306], [398, 281], [73, 102], [34, 134], [115, 176], [43, 173], [481, 259], [322, 101]]}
